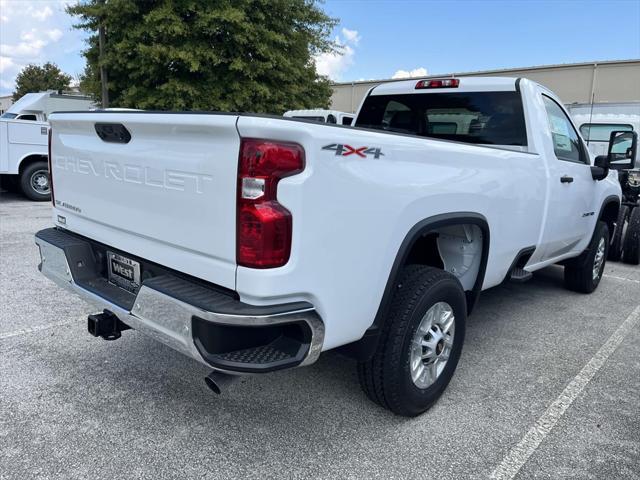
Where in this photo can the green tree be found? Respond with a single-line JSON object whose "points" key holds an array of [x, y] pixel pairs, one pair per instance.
{"points": [[36, 78], [230, 55]]}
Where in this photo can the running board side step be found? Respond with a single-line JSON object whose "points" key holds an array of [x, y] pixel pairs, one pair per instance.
{"points": [[520, 275]]}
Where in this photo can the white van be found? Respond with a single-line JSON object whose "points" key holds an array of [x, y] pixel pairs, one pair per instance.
{"points": [[597, 124], [322, 116], [23, 140]]}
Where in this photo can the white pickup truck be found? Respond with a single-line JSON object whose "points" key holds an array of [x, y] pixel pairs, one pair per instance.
{"points": [[254, 243]]}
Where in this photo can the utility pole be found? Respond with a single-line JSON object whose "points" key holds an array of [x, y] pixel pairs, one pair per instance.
{"points": [[103, 68]]}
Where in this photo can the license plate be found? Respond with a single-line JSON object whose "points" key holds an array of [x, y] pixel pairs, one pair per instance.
{"points": [[124, 272]]}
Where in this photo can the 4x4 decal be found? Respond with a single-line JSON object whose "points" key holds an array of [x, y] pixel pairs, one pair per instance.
{"points": [[346, 150]]}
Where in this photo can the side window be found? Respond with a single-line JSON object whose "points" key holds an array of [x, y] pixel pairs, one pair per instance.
{"points": [[566, 143], [27, 116], [331, 118], [347, 120]]}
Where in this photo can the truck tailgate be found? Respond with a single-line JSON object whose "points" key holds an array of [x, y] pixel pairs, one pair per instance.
{"points": [[167, 195]]}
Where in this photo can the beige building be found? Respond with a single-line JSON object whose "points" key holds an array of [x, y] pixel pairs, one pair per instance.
{"points": [[5, 102], [606, 82]]}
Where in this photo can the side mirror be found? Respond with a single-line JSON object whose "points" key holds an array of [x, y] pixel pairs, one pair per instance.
{"points": [[623, 148]]}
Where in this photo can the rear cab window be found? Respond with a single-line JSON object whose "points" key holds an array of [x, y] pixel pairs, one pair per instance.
{"points": [[484, 118]]}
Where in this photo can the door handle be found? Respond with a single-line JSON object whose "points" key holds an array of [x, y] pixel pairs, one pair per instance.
{"points": [[566, 179]]}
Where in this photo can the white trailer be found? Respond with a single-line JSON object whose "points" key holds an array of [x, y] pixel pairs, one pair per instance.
{"points": [[322, 116], [23, 140]]}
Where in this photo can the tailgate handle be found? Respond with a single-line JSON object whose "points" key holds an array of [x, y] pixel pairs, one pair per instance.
{"points": [[113, 132]]}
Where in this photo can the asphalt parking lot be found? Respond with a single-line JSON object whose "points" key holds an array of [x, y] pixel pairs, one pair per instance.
{"points": [[548, 387]]}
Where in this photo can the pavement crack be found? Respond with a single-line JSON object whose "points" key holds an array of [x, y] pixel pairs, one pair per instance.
{"points": [[36, 328]]}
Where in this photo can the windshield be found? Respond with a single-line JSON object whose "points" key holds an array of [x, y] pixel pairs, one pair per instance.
{"points": [[493, 118], [8, 115], [601, 132]]}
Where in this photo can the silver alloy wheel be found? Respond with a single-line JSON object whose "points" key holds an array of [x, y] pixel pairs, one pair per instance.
{"points": [[432, 344], [40, 182], [598, 259]]}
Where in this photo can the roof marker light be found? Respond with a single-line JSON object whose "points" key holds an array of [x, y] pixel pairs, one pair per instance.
{"points": [[441, 83]]}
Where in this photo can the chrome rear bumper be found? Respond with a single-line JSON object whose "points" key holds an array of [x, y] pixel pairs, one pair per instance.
{"points": [[171, 318]]}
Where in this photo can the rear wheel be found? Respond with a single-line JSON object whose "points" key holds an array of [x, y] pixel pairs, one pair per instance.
{"points": [[615, 249], [420, 343], [631, 245], [583, 274], [34, 181]]}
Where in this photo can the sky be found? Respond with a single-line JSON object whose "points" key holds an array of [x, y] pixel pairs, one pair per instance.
{"points": [[385, 38]]}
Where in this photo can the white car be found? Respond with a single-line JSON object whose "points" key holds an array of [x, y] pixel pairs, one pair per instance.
{"points": [[253, 243], [23, 140], [322, 116]]}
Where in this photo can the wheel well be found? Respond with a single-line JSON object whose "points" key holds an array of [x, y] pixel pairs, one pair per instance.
{"points": [[609, 215], [458, 241], [26, 161], [455, 242], [455, 248]]}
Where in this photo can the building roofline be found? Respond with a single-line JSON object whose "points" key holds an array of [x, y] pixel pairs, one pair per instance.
{"points": [[498, 70]]}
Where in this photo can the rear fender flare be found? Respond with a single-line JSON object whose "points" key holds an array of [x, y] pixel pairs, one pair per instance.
{"points": [[365, 347]]}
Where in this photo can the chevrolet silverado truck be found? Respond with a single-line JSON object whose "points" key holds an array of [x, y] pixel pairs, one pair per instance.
{"points": [[253, 243]]}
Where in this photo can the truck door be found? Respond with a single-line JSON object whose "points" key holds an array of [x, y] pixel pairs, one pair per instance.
{"points": [[570, 217]]}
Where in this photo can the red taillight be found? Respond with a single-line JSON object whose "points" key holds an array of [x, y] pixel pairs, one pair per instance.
{"points": [[53, 202], [442, 83], [264, 227]]}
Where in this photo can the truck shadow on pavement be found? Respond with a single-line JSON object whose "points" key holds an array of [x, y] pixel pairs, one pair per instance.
{"points": [[138, 369], [7, 195]]}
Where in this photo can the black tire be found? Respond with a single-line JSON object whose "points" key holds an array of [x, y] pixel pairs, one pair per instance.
{"points": [[386, 378], [28, 179], [631, 245], [615, 249], [579, 273]]}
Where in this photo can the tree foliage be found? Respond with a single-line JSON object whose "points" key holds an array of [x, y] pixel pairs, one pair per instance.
{"points": [[36, 78], [229, 55]]}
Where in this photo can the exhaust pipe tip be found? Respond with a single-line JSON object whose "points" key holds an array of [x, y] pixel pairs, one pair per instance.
{"points": [[215, 388], [216, 381]]}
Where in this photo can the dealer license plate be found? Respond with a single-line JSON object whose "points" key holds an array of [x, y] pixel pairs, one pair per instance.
{"points": [[124, 272]]}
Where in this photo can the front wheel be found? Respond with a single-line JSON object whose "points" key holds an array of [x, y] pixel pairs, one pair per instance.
{"points": [[420, 343], [615, 249], [631, 247], [583, 274]]}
